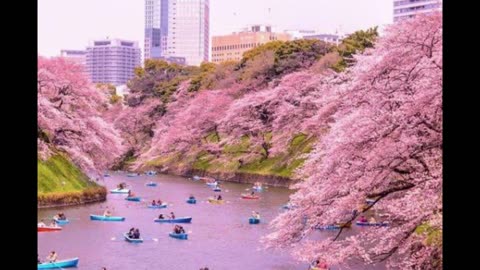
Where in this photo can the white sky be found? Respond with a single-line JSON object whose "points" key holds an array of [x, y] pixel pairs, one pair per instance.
{"points": [[71, 24]]}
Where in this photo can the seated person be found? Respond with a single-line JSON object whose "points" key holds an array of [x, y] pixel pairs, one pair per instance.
{"points": [[161, 216], [172, 215], [219, 198], [252, 193], [176, 229], [53, 224], [363, 219], [41, 224], [255, 215], [181, 230], [52, 257], [130, 233], [154, 203], [159, 202], [61, 216], [107, 213], [136, 234], [191, 197]]}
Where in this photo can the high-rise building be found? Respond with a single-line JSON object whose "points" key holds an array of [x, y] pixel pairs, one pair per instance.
{"points": [[177, 28], [112, 60], [405, 9], [232, 47]]}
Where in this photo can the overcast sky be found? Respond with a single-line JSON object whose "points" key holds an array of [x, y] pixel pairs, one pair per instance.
{"points": [[71, 24]]}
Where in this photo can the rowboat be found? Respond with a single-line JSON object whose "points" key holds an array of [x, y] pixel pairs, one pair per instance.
{"points": [[118, 190], [133, 199], [151, 173], [182, 236], [132, 240], [211, 200], [61, 221], [377, 224], [250, 197], [132, 174], [192, 201], [158, 206], [106, 218], [217, 189], [253, 220], [175, 220], [59, 264], [48, 228], [214, 184], [328, 227], [256, 188], [151, 184]]}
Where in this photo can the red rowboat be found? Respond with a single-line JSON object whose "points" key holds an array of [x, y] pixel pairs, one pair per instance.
{"points": [[48, 229]]}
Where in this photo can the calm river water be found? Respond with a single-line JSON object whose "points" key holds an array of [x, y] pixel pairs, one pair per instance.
{"points": [[220, 236]]}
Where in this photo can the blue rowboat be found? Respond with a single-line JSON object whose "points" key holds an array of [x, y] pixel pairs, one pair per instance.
{"points": [[253, 220], [328, 227], [117, 190], [132, 174], [175, 220], [61, 221], [157, 206], [105, 218], [132, 240], [151, 173], [59, 264], [192, 201], [217, 189], [151, 184], [182, 236], [377, 224], [257, 188], [133, 199], [214, 184]]}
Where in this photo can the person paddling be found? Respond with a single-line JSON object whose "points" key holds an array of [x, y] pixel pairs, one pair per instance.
{"points": [[107, 212], [52, 257]]}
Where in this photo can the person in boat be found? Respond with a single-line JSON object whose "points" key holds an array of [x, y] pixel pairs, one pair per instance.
{"points": [[136, 234], [61, 216], [252, 193], [255, 215], [161, 216], [191, 197], [107, 212], [159, 202], [181, 229], [52, 257], [154, 203], [219, 198], [176, 229], [41, 224], [172, 215], [372, 220], [53, 224], [363, 219]]}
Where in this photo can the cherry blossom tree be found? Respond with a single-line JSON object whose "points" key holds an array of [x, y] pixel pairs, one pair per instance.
{"points": [[70, 116], [384, 141]]}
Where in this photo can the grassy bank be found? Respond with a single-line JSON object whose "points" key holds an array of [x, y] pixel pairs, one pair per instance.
{"points": [[60, 182], [233, 159]]}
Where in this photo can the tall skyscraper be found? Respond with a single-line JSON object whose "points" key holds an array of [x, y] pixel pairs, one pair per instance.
{"points": [[405, 9], [176, 29], [232, 47], [112, 60]]}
